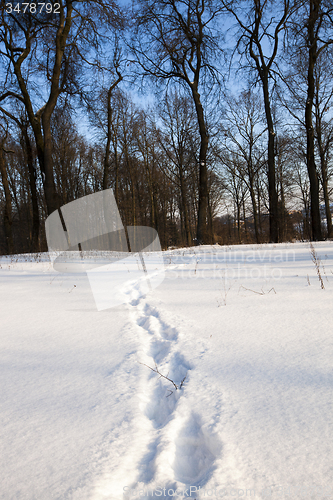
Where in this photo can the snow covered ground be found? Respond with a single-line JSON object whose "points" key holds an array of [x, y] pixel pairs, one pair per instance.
{"points": [[83, 418]]}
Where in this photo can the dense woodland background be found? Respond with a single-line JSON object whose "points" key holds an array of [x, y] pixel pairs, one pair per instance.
{"points": [[211, 120]]}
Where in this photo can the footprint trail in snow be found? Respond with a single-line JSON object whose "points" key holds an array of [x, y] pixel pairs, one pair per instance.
{"points": [[180, 451]]}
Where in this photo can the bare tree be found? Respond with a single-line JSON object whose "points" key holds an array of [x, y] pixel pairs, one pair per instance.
{"points": [[260, 34], [243, 129], [235, 186], [311, 40], [324, 127], [173, 40], [110, 123], [65, 32], [312, 27], [19, 38], [176, 139]]}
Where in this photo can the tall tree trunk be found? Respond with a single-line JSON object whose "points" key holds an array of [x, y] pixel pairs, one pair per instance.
{"points": [[109, 135], [8, 202], [323, 165], [210, 221], [282, 217], [44, 139], [310, 156], [53, 199], [188, 238], [245, 223], [272, 192], [151, 194], [255, 212], [327, 202], [33, 191], [239, 222], [108, 142], [132, 186], [182, 225], [203, 236]]}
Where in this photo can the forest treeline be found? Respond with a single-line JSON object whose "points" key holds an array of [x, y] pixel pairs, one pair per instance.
{"points": [[211, 120]]}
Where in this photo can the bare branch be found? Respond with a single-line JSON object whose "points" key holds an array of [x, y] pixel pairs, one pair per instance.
{"points": [[156, 370]]}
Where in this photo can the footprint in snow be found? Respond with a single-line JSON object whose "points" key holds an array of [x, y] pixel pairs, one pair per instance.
{"points": [[160, 407], [159, 349], [196, 451]]}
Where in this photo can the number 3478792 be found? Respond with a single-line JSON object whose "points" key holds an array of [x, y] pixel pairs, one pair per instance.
{"points": [[33, 8]]}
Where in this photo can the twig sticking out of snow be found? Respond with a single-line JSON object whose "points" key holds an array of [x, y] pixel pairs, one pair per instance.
{"points": [[224, 296], [254, 291], [156, 370], [250, 290], [317, 262]]}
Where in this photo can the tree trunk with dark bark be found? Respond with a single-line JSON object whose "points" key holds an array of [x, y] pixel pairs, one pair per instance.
{"points": [[310, 152], [255, 212], [203, 236], [43, 135], [272, 192], [109, 136], [33, 191], [8, 202], [188, 238], [108, 142], [322, 148]]}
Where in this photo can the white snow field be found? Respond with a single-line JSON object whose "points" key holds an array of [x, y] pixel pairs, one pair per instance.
{"points": [[249, 326]]}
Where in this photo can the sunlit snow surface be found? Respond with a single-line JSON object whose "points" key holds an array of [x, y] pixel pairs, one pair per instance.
{"points": [[249, 327]]}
